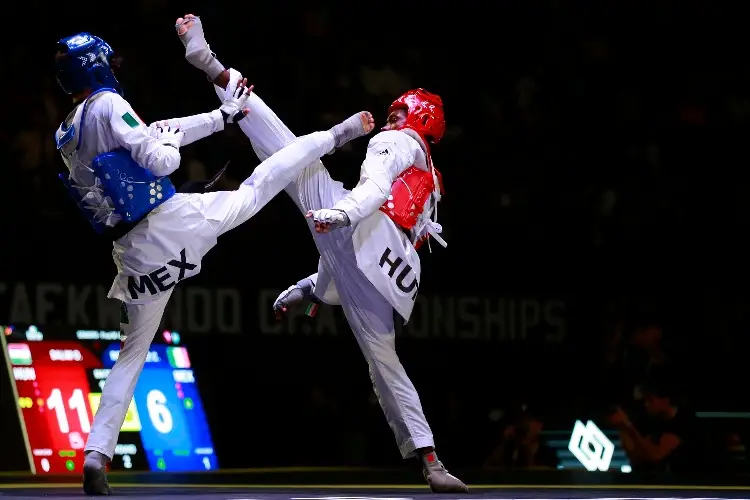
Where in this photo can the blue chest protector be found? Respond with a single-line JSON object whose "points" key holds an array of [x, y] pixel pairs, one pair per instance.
{"points": [[131, 191]]}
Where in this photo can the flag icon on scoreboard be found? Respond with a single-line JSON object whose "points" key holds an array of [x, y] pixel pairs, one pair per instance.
{"points": [[19, 354], [178, 357]]}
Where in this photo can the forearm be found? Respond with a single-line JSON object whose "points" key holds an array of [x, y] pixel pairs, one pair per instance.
{"points": [[194, 127], [132, 134], [363, 201], [162, 160], [642, 447], [388, 155], [629, 445], [308, 284]]}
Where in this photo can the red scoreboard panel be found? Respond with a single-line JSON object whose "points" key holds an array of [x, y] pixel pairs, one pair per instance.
{"points": [[58, 378], [53, 397]]}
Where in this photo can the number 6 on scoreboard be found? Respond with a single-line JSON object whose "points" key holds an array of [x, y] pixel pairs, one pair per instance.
{"points": [[161, 417]]}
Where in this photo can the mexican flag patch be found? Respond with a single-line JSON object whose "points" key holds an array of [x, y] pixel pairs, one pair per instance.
{"points": [[130, 120]]}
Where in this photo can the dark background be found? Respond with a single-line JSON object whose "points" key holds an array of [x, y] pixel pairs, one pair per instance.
{"points": [[595, 154]]}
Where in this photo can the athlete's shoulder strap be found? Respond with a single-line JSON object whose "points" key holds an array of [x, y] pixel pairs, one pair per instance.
{"points": [[73, 123]]}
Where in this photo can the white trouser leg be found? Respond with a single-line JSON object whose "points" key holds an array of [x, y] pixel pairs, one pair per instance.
{"points": [[313, 188], [369, 314], [143, 322], [226, 210], [370, 317]]}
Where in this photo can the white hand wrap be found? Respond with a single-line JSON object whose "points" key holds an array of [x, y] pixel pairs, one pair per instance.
{"points": [[231, 108], [336, 218], [168, 136], [291, 296]]}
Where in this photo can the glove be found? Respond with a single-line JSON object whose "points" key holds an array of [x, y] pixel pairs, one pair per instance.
{"points": [[234, 109], [167, 136], [328, 219], [292, 297]]}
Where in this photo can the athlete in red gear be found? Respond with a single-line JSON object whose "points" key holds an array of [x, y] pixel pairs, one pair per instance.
{"points": [[367, 238]]}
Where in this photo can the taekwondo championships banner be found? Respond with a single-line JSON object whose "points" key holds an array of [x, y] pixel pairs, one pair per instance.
{"points": [[200, 310]]}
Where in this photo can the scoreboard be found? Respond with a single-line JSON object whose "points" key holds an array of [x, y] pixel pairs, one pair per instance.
{"points": [[58, 376]]}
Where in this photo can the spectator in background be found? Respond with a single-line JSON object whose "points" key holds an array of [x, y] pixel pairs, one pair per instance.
{"points": [[648, 337], [667, 441], [637, 353], [522, 444]]}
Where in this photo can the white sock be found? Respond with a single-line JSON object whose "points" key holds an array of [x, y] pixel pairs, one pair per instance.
{"points": [[94, 459], [348, 130], [198, 53]]}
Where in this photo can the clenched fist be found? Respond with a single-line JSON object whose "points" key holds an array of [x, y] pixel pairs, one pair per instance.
{"points": [[328, 219]]}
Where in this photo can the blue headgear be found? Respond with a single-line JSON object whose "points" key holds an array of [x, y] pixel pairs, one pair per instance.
{"points": [[85, 65]]}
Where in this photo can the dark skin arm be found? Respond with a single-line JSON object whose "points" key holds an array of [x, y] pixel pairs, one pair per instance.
{"points": [[222, 80], [642, 448]]}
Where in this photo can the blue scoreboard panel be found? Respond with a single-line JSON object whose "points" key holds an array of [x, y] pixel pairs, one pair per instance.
{"points": [[58, 378]]}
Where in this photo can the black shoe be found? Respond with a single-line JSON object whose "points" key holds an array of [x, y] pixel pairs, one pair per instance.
{"points": [[95, 481]]}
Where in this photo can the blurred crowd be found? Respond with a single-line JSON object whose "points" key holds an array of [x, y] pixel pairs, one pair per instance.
{"points": [[613, 135], [562, 108], [654, 402]]}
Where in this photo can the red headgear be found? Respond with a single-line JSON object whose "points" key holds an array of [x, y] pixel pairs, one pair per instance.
{"points": [[424, 113]]}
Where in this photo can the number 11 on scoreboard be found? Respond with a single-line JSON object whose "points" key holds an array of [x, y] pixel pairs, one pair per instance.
{"points": [[76, 403]]}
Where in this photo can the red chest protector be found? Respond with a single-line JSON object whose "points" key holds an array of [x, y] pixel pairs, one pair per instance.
{"points": [[409, 193]]}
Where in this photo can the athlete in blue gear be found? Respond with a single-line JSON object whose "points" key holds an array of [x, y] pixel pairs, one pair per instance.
{"points": [[118, 172]]}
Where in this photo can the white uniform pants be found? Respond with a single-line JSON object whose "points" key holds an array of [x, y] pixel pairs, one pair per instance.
{"points": [[369, 314], [187, 223]]}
